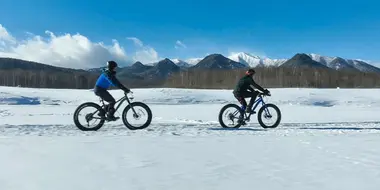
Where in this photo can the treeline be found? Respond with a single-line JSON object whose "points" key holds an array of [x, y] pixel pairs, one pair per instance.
{"points": [[275, 78], [198, 78], [46, 79], [64, 80]]}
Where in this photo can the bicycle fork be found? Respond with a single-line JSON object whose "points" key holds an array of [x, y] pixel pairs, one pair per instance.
{"points": [[133, 109], [266, 111]]}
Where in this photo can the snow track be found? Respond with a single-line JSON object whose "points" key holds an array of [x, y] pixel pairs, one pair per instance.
{"points": [[197, 129], [188, 156], [328, 139]]}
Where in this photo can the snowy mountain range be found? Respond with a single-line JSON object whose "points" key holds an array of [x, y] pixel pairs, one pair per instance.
{"points": [[339, 63], [246, 59], [255, 61], [182, 63], [239, 60], [336, 63]]}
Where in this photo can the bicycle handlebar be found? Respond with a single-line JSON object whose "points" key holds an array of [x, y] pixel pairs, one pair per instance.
{"points": [[128, 92], [131, 96], [263, 94]]}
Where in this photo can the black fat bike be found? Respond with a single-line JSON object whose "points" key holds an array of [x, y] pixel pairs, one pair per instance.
{"points": [[135, 108], [237, 116]]}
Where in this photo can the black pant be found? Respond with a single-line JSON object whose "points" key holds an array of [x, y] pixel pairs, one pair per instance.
{"points": [[106, 96], [246, 94]]}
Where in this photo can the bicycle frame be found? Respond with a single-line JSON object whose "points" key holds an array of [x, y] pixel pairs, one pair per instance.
{"points": [[120, 102], [256, 104]]}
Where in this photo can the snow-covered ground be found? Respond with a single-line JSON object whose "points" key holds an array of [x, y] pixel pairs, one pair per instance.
{"points": [[328, 139]]}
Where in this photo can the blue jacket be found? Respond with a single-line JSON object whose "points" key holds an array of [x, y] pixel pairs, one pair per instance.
{"points": [[107, 79]]}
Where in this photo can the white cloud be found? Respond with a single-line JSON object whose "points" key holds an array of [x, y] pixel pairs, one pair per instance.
{"points": [[71, 50], [144, 54], [179, 44], [137, 41], [5, 36], [147, 55]]}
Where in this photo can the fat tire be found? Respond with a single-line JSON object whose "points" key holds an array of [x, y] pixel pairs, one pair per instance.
{"points": [[261, 110], [79, 108], [220, 117], [127, 108]]}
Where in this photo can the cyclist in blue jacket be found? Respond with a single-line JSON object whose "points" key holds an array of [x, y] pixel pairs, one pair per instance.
{"points": [[106, 80]]}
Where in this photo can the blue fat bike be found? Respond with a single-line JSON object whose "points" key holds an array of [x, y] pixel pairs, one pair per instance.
{"points": [[134, 108], [237, 116]]}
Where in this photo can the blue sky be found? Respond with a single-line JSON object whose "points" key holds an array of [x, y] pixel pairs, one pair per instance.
{"points": [[273, 28]]}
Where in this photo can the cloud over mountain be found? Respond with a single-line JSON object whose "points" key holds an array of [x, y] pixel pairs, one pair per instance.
{"points": [[71, 50], [144, 53]]}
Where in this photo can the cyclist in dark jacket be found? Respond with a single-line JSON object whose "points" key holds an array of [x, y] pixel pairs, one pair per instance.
{"points": [[244, 89], [106, 80]]}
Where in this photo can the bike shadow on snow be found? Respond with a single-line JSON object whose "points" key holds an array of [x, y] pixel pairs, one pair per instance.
{"points": [[352, 126], [235, 129], [341, 128]]}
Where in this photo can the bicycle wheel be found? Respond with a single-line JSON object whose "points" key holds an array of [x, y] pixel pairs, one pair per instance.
{"points": [[264, 111], [89, 117], [137, 113], [236, 113]]}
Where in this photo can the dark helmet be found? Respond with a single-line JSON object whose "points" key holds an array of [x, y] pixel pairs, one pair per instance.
{"points": [[111, 65], [250, 72]]}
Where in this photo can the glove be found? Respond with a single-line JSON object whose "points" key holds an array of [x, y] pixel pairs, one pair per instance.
{"points": [[266, 92], [126, 91]]}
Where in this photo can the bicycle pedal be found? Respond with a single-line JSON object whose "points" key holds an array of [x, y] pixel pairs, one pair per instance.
{"points": [[112, 119], [242, 122]]}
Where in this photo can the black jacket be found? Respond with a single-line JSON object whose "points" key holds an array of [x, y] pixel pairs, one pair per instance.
{"points": [[247, 83]]}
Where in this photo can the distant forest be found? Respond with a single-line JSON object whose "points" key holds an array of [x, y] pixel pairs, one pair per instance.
{"points": [[199, 78], [22, 73], [46, 79], [276, 78], [63, 80]]}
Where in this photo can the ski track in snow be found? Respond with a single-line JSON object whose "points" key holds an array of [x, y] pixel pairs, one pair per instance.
{"points": [[197, 129]]}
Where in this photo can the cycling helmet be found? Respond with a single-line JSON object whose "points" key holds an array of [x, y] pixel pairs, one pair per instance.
{"points": [[111, 65]]}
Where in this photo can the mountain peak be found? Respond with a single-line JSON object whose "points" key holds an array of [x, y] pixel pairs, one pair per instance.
{"points": [[138, 66], [166, 63], [248, 54], [137, 63], [176, 60], [326, 60], [166, 60], [180, 63], [214, 55], [218, 61], [254, 60], [302, 60], [217, 57]]}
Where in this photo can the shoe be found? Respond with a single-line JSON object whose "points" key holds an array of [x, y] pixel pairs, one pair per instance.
{"points": [[249, 110], [101, 113], [241, 121], [112, 118]]}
